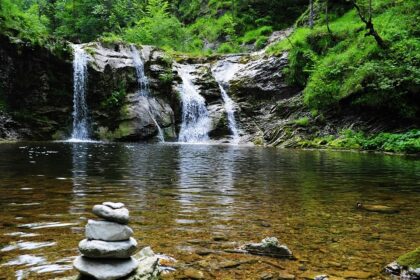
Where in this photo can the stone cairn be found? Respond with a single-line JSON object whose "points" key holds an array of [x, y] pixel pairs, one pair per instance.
{"points": [[109, 246]]}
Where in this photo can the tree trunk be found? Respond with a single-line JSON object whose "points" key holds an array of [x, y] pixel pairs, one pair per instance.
{"points": [[311, 14], [369, 24], [326, 17]]}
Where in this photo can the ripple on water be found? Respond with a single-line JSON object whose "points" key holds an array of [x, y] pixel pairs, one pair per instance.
{"points": [[26, 245], [46, 225], [21, 234], [51, 268], [27, 260]]}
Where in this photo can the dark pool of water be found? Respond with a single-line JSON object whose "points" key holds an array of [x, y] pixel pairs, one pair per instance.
{"points": [[181, 196]]}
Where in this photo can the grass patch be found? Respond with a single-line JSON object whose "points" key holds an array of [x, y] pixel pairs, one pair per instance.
{"points": [[408, 142]]}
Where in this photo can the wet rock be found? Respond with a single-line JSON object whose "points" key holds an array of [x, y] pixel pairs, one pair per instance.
{"points": [[356, 275], [269, 246], [103, 249], [265, 224], [284, 276], [206, 252], [107, 269], [148, 268], [302, 267], [152, 265], [261, 78], [114, 205], [120, 216], [377, 208], [192, 273], [321, 277], [280, 35], [107, 231], [394, 268], [219, 238], [309, 275], [281, 275]]}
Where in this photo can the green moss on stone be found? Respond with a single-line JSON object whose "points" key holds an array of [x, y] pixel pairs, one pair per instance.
{"points": [[410, 259]]}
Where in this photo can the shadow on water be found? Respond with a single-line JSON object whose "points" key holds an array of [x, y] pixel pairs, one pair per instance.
{"points": [[182, 196]]}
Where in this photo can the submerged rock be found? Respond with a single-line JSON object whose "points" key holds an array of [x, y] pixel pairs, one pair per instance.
{"points": [[377, 208], [107, 231], [269, 246], [107, 269], [120, 215], [191, 273], [103, 249]]}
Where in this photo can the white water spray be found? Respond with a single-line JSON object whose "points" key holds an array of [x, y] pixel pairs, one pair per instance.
{"points": [[195, 118], [223, 73], [80, 109]]}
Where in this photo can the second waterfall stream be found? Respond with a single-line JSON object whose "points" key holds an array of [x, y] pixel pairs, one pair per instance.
{"points": [[223, 72], [144, 87]]}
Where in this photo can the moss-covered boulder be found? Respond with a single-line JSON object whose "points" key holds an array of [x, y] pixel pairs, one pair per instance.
{"points": [[407, 266]]}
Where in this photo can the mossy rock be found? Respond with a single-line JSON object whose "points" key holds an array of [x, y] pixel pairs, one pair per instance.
{"points": [[410, 259]]}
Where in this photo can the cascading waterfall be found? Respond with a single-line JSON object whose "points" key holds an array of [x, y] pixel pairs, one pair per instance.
{"points": [[80, 109], [223, 73], [143, 82], [195, 118], [230, 111]]}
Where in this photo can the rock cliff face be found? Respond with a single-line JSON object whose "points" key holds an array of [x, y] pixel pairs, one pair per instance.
{"points": [[36, 96], [35, 90], [38, 92], [118, 112]]}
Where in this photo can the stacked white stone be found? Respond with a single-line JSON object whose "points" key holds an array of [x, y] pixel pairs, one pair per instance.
{"points": [[109, 246]]}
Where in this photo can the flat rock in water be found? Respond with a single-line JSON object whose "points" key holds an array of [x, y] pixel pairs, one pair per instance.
{"points": [[105, 269], [268, 247], [120, 215], [107, 231], [114, 205], [378, 208], [103, 249]]}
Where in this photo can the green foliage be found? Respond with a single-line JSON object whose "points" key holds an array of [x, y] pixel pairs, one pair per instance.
{"points": [[26, 24], [167, 77], [116, 99], [254, 35], [158, 27], [410, 259], [408, 142], [227, 48], [348, 67], [304, 121], [197, 26]]}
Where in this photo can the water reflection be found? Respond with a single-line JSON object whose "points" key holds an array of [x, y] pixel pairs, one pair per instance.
{"points": [[199, 192], [79, 152], [180, 195]]}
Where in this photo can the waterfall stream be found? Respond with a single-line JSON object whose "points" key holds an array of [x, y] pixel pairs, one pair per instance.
{"points": [[144, 90], [80, 108], [230, 111], [223, 73], [195, 117]]}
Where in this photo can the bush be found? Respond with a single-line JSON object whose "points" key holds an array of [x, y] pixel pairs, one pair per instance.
{"points": [[302, 121], [408, 142]]}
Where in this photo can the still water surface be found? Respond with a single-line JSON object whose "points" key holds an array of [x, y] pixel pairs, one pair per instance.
{"points": [[182, 196]]}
